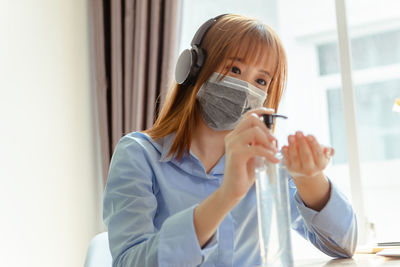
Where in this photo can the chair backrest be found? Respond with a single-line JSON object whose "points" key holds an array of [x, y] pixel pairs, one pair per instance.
{"points": [[98, 254]]}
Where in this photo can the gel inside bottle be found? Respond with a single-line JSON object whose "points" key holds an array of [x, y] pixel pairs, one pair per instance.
{"points": [[273, 208]]}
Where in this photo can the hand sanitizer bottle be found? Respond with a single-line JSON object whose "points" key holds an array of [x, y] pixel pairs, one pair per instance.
{"points": [[273, 209]]}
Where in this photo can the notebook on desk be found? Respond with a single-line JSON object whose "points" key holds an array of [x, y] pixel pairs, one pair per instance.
{"points": [[389, 252], [377, 247]]}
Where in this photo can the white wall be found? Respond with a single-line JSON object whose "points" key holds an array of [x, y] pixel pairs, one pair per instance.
{"points": [[49, 172]]}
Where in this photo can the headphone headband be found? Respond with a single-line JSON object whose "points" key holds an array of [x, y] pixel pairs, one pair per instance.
{"points": [[199, 35]]}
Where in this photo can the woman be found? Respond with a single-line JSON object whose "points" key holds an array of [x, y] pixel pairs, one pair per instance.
{"points": [[182, 192]]}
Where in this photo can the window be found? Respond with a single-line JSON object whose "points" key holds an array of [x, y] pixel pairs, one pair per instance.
{"points": [[375, 52], [378, 125], [371, 51]]}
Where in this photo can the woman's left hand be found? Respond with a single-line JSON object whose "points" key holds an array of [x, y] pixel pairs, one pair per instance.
{"points": [[305, 157], [306, 160]]}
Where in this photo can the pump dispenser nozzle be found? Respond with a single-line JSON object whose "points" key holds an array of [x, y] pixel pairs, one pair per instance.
{"points": [[269, 119]]}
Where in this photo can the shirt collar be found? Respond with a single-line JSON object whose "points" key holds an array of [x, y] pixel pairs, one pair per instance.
{"points": [[162, 145], [189, 163], [166, 143]]}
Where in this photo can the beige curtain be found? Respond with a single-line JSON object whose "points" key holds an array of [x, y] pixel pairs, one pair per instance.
{"points": [[135, 43]]}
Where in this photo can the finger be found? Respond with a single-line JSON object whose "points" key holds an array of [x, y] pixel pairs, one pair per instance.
{"points": [[285, 153], [305, 153], [329, 151], [293, 153], [253, 137], [260, 111], [251, 165], [319, 157], [259, 151], [252, 121]]}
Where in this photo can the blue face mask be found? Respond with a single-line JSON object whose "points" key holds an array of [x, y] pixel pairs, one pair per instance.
{"points": [[224, 102]]}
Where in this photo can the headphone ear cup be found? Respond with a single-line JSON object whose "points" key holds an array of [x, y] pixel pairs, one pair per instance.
{"points": [[201, 57], [185, 66], [200, 54], [189, 65], [191, 61]]}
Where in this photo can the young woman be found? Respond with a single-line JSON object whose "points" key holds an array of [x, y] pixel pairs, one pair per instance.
{"points": [[182, 192]]}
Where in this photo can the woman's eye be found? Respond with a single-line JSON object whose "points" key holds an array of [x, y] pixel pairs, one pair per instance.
{"points": [[235, 70], [261, 81]]}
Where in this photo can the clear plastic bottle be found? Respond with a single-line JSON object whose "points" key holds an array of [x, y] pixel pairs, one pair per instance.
{"points": [[273, 209]]}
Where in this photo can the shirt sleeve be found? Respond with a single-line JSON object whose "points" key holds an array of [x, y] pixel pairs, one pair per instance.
{"points": [[333, 230], [129, 209]]}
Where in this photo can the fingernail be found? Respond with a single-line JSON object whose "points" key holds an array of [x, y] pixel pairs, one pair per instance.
{"points": [[253, 114], [299, 134], [329, 152], [268, 109], [310, 138], [291, 138]]}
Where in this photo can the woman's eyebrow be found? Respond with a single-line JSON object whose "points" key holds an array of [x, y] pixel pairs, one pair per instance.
{"points": [[236, 59], [265, 72]]}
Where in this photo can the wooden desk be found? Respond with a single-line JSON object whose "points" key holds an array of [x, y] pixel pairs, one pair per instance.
{"points": [[362, 260]]}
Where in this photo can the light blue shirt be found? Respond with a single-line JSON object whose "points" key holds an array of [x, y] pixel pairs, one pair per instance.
{"points": [[150, 198]]}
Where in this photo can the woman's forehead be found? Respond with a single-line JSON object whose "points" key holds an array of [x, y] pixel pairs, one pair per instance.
{"points": [[261, 56]]}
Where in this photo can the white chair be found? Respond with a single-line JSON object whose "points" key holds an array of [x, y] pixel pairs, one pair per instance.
{"points": [[98, 254]]}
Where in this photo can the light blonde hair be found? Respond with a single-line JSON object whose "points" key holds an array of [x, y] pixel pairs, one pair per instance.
{"points": [[231, 36]]}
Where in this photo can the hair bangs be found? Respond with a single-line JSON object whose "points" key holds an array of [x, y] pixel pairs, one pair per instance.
{"points": [[255, 47]]}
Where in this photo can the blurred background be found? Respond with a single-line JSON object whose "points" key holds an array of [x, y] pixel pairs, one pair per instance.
{"points": [[50, 183], [51, 178]]}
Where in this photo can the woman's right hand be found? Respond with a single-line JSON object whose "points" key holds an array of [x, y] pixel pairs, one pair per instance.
{"points": [[249, 139]]}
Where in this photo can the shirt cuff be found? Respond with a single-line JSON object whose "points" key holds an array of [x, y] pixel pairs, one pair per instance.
{"points": [[178, 240], [334, 216]]}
